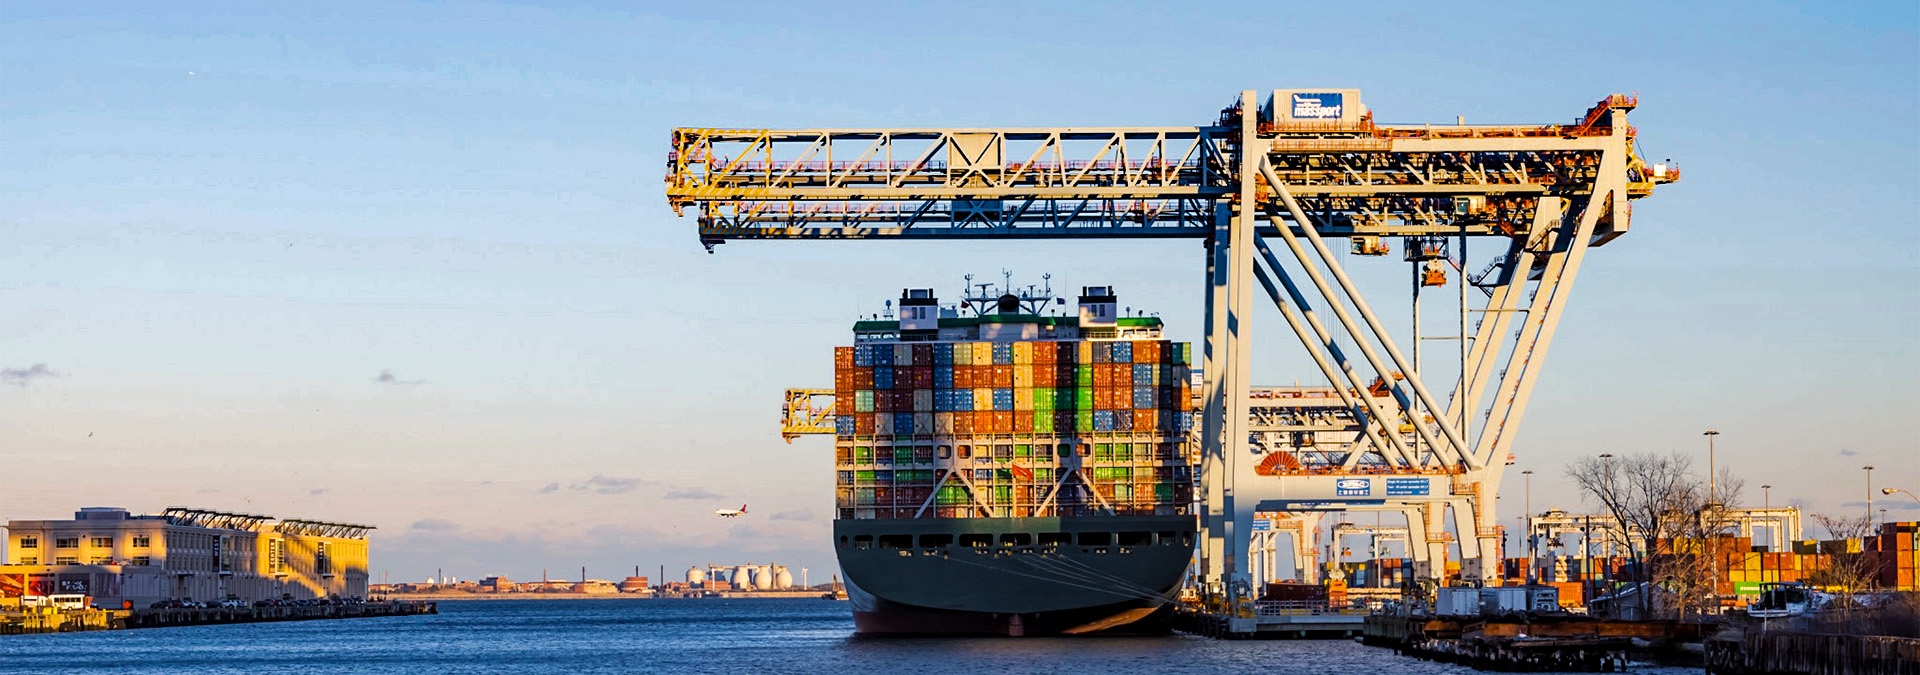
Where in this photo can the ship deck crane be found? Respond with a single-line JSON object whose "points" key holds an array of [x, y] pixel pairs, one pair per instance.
{"points": [[1264, 187]]}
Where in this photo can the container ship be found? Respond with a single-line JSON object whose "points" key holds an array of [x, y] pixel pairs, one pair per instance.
{"points": [[1004, 468]]}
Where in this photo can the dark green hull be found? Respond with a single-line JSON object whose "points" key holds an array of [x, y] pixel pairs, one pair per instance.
{"points": [[1012, 576]]}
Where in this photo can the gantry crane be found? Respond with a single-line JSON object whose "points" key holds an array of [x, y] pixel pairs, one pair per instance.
{"points": [[1265, 187]]}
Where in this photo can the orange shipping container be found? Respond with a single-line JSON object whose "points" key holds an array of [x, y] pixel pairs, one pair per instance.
{"points": [[1002, 421], [1003, 377]]}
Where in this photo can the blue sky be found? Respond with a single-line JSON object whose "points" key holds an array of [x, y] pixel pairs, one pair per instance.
{"points": [[222, 222]]}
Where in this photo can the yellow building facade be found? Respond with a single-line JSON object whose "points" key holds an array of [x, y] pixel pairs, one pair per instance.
{"points": [[183, 554]]}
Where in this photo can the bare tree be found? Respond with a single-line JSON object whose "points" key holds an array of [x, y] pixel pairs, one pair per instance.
{"points": [[1848, 571], [1656, 498]]}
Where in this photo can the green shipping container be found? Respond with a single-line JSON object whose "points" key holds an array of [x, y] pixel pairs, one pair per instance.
{"points": [[1083, 400], [863, 477], [903, 454], [1043, 400], [862, 454], [951, 494], [1083, 376], [1083, 420], [1042, 422]]}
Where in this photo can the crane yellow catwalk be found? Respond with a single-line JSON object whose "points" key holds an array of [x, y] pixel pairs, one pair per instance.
{"points": [[1264, 186]]}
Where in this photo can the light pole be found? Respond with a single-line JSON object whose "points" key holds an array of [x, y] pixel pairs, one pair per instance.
{"points": [[1869, 470], [1766, 507], [1606, 476], [1889, 492], [1528, 524], [1712, 494]]}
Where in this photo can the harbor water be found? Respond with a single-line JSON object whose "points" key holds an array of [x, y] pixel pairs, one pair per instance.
{"points": [[667, 636]]}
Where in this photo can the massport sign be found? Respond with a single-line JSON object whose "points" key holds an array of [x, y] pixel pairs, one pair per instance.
{"points": [[1318, 106], [1353, 487]]}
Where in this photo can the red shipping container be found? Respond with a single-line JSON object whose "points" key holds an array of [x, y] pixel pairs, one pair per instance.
{"points": [[1023, 423], [1002, 421], [1043, 353], [863, 424], [962, 423], [863, 377], [883, 401], [1002, 377], [1043, 378], [1102, 376], [1144, 420], [923, 355], [1123, 377], [1146, 351], [843, 357], [963, 377], [923, 377]]}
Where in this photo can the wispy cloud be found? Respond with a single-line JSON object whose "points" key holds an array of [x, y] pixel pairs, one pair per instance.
{"points": [[387, 377], [21, 377], [317, 492], [796, 515], [1848, 453], [550, 488], [1891, 504], [692, 494], [607, 485], [434, 525]]}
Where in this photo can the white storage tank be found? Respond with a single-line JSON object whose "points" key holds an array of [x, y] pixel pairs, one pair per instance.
{"points": [[742, 578], [782, 579], [763, 577], [696, 575]]}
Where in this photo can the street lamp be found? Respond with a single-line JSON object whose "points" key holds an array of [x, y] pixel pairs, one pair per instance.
{"points": [[1889, 492], [1712, 495], [1869, 470], [1766, 506]]}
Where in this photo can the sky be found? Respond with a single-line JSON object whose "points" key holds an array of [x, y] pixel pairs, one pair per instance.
{"points": [[410, 264]]}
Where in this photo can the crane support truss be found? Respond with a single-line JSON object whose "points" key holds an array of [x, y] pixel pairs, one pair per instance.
{"points": [[1265, 195]]}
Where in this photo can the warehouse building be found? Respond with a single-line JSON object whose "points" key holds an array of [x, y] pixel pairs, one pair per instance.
{"points": [[183, 554]]}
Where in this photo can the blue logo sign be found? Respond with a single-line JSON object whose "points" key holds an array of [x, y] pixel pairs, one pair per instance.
{"points": [[1353, 487], [1323, 106], [1262, 525], [1408, 487]]}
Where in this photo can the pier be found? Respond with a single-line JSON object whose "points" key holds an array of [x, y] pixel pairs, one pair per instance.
{"points": [[104, 619]]}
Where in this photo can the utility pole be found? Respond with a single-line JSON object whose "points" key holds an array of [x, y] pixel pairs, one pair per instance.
{"points": [[1869, 469]]}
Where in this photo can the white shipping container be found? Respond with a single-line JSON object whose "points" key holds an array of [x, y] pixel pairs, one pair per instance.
{"points": [[1457, 602]]}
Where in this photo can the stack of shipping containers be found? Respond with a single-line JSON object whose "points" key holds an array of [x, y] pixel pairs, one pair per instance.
{"points": [[1013, 429]]}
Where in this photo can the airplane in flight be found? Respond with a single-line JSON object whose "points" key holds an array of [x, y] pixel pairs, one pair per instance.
{"points": [[732, 513]]}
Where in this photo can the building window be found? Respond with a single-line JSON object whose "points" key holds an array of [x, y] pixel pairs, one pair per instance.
{"points": [[102, 542], [66, 560], [29, 560], [100, 560], [140, 561], [29, 542], [66, 542], [142, 541]]}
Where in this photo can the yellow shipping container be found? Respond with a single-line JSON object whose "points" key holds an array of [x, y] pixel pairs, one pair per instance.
{"points": [[982, 353], [1022, 353], [982, 399], [963, 353], [1085, 352], [1022, 396], [1022, 373]]}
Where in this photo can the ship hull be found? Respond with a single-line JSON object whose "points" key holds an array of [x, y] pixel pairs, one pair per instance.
{"points": [[1037, 576]]}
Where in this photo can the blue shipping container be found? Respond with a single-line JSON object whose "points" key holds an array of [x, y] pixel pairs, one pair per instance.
{"points": [[1123, 352], [882, 377], [1103, 420], [963, 400], [1003, 354], [1143, 375], [943, 377], [1003, 399], [902, 424], [843, 425], [883, 355], [943, 354], [1143, 397]]}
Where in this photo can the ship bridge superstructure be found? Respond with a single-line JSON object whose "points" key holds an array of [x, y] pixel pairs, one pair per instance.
{"points": [[1287, 191]]}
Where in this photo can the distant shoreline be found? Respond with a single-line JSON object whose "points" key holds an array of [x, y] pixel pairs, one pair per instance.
{"points": [[779, 595]]}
